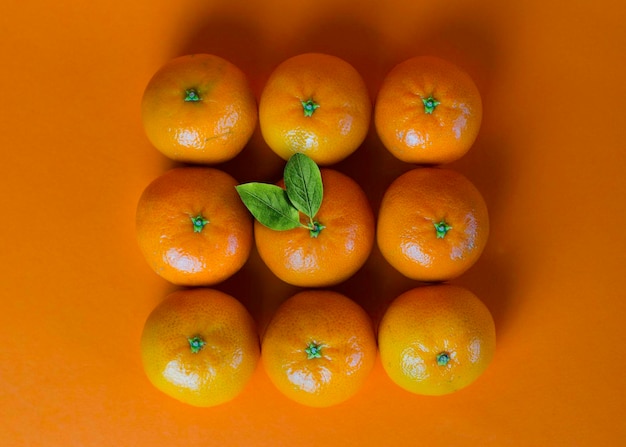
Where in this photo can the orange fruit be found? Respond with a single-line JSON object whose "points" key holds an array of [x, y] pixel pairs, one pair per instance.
{"points": [[432, 224], [192, 227], [319, 348], [427, 111], [340, 249], [316, 104], [436, 339], [200, 346], [199, 109]]}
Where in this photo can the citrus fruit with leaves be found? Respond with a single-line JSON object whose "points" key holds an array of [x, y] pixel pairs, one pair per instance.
{"points": [[315, 228], [432, 225], [319, 348], [191, 226], [200, 346], [315, 104], [199, 108], [436, 339], [428, 111]]}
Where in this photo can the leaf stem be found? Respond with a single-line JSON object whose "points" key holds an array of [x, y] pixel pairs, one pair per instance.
{"points": [[315, 228]]}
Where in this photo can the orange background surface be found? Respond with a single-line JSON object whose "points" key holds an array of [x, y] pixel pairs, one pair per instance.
{"points": [[550, 161]]}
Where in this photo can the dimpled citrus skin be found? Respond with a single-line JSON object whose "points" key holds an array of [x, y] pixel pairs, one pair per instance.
{"points": [[170, 243], [221, 368], [414, 136], [339, 124], [340, 249], [436, 339], [212, 129], [347, 348], [407, 234]]}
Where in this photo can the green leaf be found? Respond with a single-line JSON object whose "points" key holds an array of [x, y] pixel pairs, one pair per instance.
{"points": [[269, 205], [303, 182]]}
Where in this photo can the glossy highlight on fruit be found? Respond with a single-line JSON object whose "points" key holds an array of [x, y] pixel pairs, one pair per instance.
{"points": [[428, 111], [316, 104], [319, 348], [432, 225], [191, 227], [199, 108], [343, 242], [200, 346], [436, 340]]}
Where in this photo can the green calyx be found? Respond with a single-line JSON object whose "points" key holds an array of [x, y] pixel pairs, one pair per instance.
{"points": [[196, 344], [443, 358], [309, 106], [430, 104], [314, 350], [198, 223], [315, 228], [442, 229], [191, 95]]}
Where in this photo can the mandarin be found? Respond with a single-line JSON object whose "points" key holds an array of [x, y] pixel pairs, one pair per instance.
{"points": [[436, 339], [319, 348], [199, 108], [427, 111], [432, 224], [200, 346], [192, 228], [316, 104], [339, 247]]}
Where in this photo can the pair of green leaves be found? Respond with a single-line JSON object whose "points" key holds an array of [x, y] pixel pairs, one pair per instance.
{"points": [[278, 208]]}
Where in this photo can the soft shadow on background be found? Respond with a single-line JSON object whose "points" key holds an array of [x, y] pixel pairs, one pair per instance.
{"points": [[472, 45], [240, 42]]}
